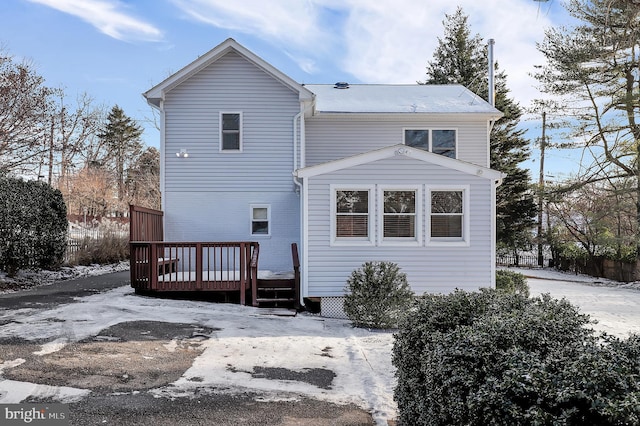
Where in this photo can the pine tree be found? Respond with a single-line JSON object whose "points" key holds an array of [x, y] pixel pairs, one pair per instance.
{"points": [[462, 59], [595, 66], [121, 136]]}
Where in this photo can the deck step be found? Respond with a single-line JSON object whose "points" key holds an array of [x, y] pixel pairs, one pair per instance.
{"points": [[276, 288], [276, 283], [278, 299], [276, 291]]}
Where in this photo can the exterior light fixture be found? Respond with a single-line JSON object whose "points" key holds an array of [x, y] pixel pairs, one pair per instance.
{"points": [[182, 154]]}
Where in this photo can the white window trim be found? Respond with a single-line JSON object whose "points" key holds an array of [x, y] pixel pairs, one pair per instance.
{"points": [[410, 242], [230, 151], [269, 223], [431, 129], [352, 241], [466, 218]]}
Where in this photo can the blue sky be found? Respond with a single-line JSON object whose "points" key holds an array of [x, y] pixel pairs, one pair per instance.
{"points": [[116, 49]]}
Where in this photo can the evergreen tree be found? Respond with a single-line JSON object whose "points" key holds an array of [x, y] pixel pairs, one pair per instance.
{"points": [[595, 65], [121, 136], [462, 59]]}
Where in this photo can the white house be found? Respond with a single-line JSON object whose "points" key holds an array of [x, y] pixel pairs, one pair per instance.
{"points": [[351, 173]]}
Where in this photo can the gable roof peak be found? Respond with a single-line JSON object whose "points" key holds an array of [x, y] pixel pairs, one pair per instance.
{"points": [[157, 93]]}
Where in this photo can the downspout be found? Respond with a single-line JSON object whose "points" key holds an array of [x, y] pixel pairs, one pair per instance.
{"points": [[301, 191], [494, 189], [303, 151]]}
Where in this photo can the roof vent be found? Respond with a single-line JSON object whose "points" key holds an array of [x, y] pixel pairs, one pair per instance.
{"points": [[341, 85]]}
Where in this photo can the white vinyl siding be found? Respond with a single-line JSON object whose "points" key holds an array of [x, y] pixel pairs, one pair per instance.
{"points": [[429, 267], [207, 197], [224, 216], [333, 137], [192, 121]]}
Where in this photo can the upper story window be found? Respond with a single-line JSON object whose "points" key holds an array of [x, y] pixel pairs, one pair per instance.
{"points": [[417, 138], [231, 131], [438, 141], [352, 214]]}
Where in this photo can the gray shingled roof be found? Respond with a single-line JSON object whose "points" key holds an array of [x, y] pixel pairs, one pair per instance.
{"points": [[383, 98]]}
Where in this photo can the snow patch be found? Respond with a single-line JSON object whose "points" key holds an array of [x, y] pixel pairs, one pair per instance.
{"points": [[14, 392], [51, 347]]}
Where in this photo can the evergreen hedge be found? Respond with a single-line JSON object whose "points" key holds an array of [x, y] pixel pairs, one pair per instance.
{"points": [[33, 225], [504, 359]]}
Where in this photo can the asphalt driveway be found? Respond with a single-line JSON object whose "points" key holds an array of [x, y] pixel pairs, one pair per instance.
{"points": [[112, 374]]}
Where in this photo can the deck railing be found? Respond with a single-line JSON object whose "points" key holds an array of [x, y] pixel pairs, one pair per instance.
{"points": [[194, 266]]}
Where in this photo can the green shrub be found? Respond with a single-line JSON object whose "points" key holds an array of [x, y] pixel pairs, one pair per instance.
{"points": [[498, 358], [512, 282], [33, 225], [377, 295]]}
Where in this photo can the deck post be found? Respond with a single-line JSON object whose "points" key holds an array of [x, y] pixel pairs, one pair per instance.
{"points": [[296, 270], [153, 266], [199, 271], [254, 273], [243, 272]]}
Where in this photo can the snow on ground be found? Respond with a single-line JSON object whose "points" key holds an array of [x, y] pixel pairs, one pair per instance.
{"points": [[616, 306], [246, 338]]}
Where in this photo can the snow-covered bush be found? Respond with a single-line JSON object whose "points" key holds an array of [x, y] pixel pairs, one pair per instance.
{"points": [[497, 358], [377, 295], [512, 282], [33, 225]]}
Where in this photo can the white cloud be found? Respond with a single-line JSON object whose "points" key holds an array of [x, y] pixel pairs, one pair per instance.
{"points": [[382, 41], [393, 42], [108, 17], [292, 22]]}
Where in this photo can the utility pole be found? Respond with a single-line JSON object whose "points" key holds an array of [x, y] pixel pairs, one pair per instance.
{"points": [[541, 189], [50, 180]]}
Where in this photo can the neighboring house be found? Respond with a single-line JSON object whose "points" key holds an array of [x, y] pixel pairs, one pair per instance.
{"points": [[352, 173]]}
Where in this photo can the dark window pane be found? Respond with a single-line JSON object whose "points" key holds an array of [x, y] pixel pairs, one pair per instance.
{"points": [[446, 202], [352, 201], [231, 122], [260, 227], [444, 142], [231, 141], [417, 139], [446, 226], [399, 201], [399, 226], [352, 226]]}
